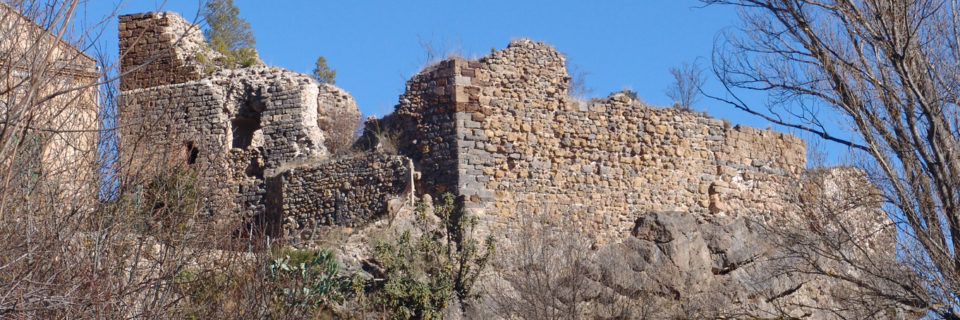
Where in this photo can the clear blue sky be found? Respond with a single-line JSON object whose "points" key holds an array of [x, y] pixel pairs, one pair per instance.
{"points": [[376, 45]]}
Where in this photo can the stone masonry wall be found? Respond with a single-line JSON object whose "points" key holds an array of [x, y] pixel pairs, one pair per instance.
{"points": [[524, 147], [338, 117], [501, 132], [158, 48], [342, 192], [423, 126], [236, 127], [175, 125]]}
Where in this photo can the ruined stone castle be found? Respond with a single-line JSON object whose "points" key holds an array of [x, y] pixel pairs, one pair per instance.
{"points": [[500, 132]]}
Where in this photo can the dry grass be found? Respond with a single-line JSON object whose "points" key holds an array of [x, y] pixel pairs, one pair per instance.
{"points": [[77, 239]]}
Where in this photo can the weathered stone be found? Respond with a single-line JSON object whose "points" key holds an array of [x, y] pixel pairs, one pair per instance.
{"points": [[238, 126]]}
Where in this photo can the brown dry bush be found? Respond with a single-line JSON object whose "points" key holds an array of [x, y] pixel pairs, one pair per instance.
{"points": [[77, 240], [342, 131]]}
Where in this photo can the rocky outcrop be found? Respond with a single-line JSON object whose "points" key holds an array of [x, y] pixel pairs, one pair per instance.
{"points": [[717, 266], [693, 265], [683, 264]]}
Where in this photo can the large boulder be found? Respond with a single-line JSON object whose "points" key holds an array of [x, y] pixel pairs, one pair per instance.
{"points": [[693, 265]]}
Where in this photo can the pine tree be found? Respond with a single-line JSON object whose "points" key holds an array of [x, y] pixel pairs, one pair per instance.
{"points": [[323, 73], [229, 34]]}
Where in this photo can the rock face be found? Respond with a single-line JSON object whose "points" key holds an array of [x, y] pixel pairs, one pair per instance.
{"points": [[692, 265], [716, 266], [698, 266]]}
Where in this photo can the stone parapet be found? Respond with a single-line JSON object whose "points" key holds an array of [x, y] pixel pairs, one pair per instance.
{"points": [[341, 192]]}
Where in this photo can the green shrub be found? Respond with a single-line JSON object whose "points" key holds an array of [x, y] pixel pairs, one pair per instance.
{"points": [[230, 58], [306, 280], [245, 57], [417, 285], [421, 275]]}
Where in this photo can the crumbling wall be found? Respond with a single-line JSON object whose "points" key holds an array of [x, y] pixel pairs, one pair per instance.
{"points": [[423, 127], [757, 172], [158, 48], [501, 132], [338, 116], [524, 147], [236, 127], [341, 192], [179, 125], [235, 124]]}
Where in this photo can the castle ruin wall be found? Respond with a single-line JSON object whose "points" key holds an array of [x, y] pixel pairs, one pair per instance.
{"points": [[345, 192], [159, 48], [501, 132], [235, 127], [525, 148]]}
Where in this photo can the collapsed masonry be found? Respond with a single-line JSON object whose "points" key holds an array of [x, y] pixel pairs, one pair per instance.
{"points": [[256, 136], [501, 132]]}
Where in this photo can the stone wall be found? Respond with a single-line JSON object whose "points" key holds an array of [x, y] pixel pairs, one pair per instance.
{"points": [[342, 192], [501, 132], [177, 125], [423, 127], [235, 127], [523, 147], [338, 117], [158, 48]]}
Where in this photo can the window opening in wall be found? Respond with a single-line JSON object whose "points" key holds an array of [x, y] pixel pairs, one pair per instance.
{"points": [[246, 124], [192, 153], [244, 130]]}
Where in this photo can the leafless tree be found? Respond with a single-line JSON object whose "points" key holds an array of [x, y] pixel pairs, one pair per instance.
{"points": [[550, 272], [578, 83], [887, 68], [842, 244], [688, 78], [547, 274], [75, 240], [436, 48]]}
